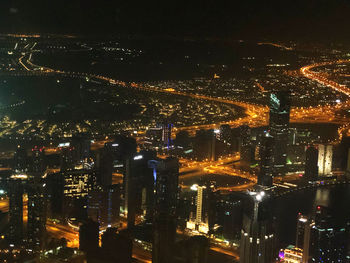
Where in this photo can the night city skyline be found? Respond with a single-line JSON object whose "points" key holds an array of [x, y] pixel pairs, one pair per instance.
{"points": [[174, 132]]}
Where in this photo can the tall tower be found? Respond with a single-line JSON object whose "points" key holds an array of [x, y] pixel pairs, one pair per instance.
{"points": [[15, 234], [36, 215], [164, 228], [139, 186], [166, 136], [279, 127], [245, 145], [325, 155], [302, 223], [257, 235], [311, 163], [265, 177], [199, 205], [36, 199], [114, 156]]}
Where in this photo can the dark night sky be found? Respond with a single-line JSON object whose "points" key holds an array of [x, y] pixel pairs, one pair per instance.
{"points": [[282, 18]]}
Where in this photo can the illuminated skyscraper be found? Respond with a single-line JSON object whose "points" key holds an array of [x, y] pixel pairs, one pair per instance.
{"points": [[15, 192], [311, 163], [279, 128], [36, 226], [76, 187], [325, 156], [265, 177], [199, 221], [302, 223], [36, 189], [139, 186], [164, 227], [257, 235], [166, 136], [114, 156], [104, 205], [329, 239]]}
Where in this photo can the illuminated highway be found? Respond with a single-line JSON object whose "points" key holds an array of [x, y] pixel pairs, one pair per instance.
{"points": [[255, 115]]}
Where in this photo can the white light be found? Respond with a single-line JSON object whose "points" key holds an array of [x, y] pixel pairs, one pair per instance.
{"points": [[262, 193], [115, 144], [258, 197], [109, 225], [216, 131], [2, 192], [194, 187], [138, 157], [337, 101]]}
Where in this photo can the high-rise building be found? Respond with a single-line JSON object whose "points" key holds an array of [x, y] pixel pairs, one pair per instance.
{"points": [[246, 151], [114, 156], [117, 247], [36, 189], [166, 136], [139, 186], [279, 128], [104, 205], [67, 158], [257, 235], [76, 186], [81, 144], [164, 227], [311, 163], [55, 194], [325, 156], [36, 226], [329, 239], [197, 249], [89, 236], [204, 147], [199, 222], [38, 165], [20, 160], [154, 138], [302, 224], [15, 192], [265, 177]]}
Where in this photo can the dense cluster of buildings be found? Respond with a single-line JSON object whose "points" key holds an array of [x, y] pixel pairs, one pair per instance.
{"points": [[126, 194]]}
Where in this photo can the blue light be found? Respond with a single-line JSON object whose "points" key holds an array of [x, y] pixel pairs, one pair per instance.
{"points": [[155, 175]]}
